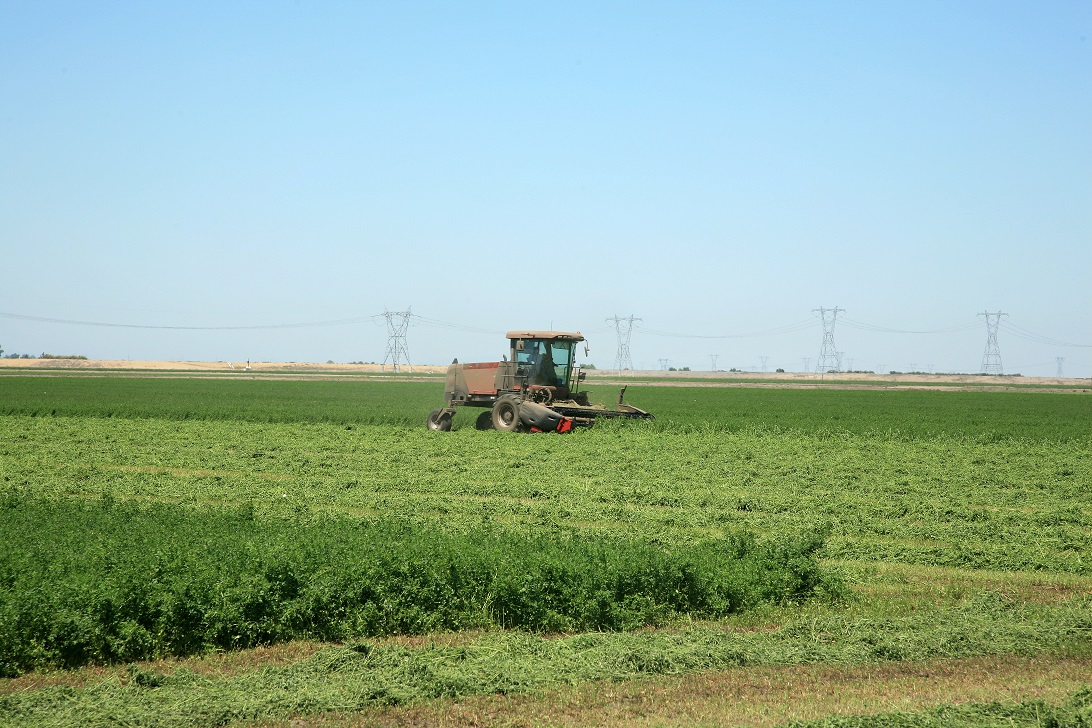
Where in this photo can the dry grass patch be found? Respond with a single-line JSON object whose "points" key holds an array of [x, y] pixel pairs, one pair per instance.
{"points": [[765, 696], [219, 665], [914, 585]]}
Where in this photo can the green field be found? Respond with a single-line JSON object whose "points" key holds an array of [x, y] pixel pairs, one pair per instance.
{"points": [[1057, 416], [146, 519]]}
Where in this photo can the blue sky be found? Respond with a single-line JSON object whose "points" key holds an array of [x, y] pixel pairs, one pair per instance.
{"points": [[715, 169]]}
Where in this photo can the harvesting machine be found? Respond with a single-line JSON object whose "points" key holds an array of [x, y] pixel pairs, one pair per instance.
{"points": [[535, 388]]}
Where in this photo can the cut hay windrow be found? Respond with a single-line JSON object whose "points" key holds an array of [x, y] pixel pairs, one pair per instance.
{"points": [[117, 582]]}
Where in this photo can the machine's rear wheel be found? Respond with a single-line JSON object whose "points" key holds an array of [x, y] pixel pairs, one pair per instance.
{"points": [[484, 421], [505, 415], [439, 420]]}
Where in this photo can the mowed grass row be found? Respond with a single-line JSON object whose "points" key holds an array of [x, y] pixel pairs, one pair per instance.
{"points": [[345, 683], [943, 501], [1040, 416]]}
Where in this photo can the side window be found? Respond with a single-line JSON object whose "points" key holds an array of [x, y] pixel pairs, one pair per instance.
{"points": [[524, 355], [561, 353], [529, 360]]}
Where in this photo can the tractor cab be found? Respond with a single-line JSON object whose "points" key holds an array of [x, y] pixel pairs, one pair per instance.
{"points": [[544, 361]]}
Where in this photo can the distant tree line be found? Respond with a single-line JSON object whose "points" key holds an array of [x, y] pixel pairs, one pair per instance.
{"points": [[42, 356]]}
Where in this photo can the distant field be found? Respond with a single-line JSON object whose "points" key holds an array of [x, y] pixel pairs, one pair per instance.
{"points": [[744, 526], [1029, 415]]}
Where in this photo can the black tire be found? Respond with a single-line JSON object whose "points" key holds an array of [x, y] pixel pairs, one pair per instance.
{"points": [[505, 415], [484, 421], [439, 420]]}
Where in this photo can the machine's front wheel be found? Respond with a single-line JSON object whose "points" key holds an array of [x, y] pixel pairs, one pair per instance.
{"points": [[505, 415], [439, 420]]}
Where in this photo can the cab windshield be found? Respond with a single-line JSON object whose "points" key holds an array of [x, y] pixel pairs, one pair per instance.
{"points": [[545, 363]]}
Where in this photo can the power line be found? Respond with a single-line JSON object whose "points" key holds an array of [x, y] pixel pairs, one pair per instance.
{"points": [[397, 324], [829, 356], [436, 323], [787, 329], [309, 324], [991, 357], [1022, 333], [624, 329], [418, 319], [883, 329]]}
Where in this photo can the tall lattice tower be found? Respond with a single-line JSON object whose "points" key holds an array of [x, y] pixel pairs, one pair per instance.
{"points": [[829, 356], [1059, 359], [624, 328], [991, 357], [397, 325]]}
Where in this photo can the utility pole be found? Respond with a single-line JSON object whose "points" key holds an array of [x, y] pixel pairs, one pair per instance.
{"points": [[624, 329], [713, 358], [764, 360], [807, 363], [991, 357], [1060, 359], [663, 365], [397, 324], [829, 356]]}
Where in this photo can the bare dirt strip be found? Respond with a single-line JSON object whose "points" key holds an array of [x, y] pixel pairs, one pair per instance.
{"points": [[326, 371]]}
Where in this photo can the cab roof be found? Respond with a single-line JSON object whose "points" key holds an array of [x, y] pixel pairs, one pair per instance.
{"points": [[551, 335]]}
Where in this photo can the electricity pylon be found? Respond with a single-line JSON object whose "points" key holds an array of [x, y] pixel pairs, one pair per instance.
{"points": [[829, 356], [397, 324], [991, 357], [624, 328], [1060, 359]]}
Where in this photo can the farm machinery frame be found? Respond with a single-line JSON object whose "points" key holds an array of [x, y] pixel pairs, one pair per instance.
{"points": [[535, 388]]}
